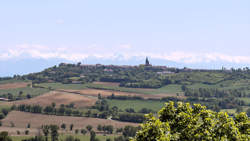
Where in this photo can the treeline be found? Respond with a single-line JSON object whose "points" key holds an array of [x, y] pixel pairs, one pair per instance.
{"points": [[3, 113], [50, 110], [217, 93], [130, 117], [12, 97], [123, 97]]}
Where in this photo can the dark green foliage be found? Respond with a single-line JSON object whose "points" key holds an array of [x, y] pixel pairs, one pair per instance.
{"points": [[106, 128], [63, 126], [89, 127], [4, 136], [248, 112], [83, 131], [130, 110], [121, 97], [76, 131], [46, 131], [1, 116], [131, 117], [129, 131], [71, 127], [92, 136], [48, 110], [182, 121], [5, 111], [54, 132]]}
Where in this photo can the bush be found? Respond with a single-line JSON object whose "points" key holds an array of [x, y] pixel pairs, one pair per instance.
{"points": [[4, 136], [83, 131], [76, 131]]}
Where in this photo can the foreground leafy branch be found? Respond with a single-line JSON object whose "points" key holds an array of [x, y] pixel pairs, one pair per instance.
{"points": [[183, 122]]}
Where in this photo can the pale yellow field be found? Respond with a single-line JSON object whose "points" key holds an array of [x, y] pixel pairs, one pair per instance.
{"points": [[59, 98]]}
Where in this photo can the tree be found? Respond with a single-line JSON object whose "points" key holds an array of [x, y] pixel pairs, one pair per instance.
{"points": [[92, 136], [83, 131], [76, 131], [45, 129], [71, 127], [248, 112], [53, 104], [5, 111], [4, 136], [129, 131], [99, 127], [54, 132], [63, 126], [28, 96], [89, 127], [186, 122]]}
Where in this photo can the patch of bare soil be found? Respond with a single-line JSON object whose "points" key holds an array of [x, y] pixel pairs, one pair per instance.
{"points": [[59, 98]]}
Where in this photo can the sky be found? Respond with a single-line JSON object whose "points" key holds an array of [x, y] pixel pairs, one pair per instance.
{"points": [[194, 33]]}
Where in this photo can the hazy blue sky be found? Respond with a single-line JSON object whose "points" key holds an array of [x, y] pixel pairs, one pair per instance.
{"points": [[182, 31]]}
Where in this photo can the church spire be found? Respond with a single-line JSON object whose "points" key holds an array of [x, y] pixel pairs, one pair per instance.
{"points": [[147, 62]]}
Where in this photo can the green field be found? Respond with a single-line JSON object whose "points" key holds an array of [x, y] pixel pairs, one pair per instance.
{"points": [[27, 90], [246, 100], [136, 104], [172, 88], [63, 137], [229, 111]]}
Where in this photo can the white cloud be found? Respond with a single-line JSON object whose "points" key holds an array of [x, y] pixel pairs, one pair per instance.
{"points": [[122, 52]]}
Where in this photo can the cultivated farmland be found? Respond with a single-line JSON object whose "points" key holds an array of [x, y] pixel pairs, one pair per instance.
{"points": [[21, 119], [59, 98]]}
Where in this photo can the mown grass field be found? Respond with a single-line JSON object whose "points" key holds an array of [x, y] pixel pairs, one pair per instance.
{"points": [[136, 104], [171, 89]]}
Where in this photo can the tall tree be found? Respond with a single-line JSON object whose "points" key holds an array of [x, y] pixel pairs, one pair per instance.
{"points": [[54, 132], [188, 123]]}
